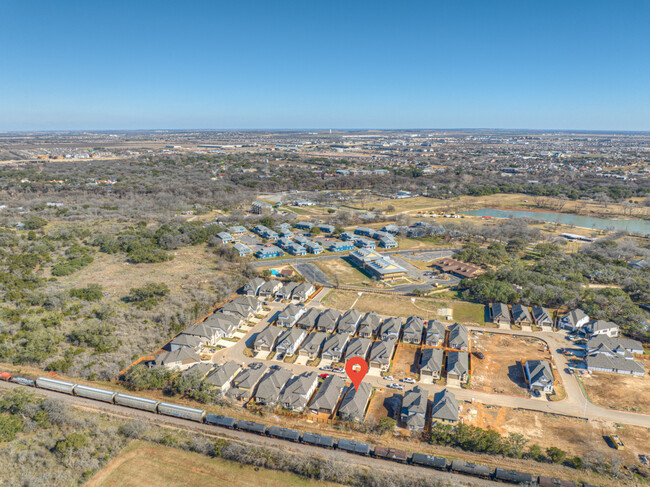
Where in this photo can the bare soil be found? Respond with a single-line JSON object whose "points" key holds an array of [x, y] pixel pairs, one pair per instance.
{"points": [[575, 436], [501, 370], [405, 362], [616, 391], [385, 403]]}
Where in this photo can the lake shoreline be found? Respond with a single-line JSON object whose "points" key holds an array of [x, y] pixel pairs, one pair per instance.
{"points": [[634, 226]]}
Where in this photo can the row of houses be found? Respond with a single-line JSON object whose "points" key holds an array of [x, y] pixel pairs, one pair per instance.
{"points": [[575, 320], [414, 330], [280, 388], [521, 316], [415, 411], [614, 355], [183, 350], [342, 346], [456, 365], [268, 290]]}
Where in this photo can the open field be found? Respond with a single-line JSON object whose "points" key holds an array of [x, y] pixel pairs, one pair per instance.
{"points": [[397, 305], [616, 391], [152, 465], [500, 370], [346, 273], [405, 362], [191, 266], [573, 435], [504, 201]]}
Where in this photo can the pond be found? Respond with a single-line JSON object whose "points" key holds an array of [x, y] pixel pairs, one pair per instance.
{"points": [[632, 226]]}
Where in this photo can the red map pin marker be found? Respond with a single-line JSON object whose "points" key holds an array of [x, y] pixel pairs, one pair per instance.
{"points": [[356, 368]]}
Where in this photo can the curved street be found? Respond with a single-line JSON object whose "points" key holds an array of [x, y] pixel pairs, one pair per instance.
{"points": [[575, 404]]}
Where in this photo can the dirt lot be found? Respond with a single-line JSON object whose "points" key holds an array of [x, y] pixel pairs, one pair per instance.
{"points": [[570, 434], [500, 370], [384, 403], [151, 465], [397, 305], [617, 391], [405, 363]]}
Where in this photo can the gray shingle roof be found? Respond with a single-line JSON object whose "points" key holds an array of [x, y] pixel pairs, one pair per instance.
{"points": [[328, 393], [457, 363], [269, 388], [540, 372], [222, 374], [458, 337], [358, 347], [431, 360], [445, 406], [297, 390], [353, 405]]}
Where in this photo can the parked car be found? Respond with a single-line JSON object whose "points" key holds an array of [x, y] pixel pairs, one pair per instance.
{"points": [[338, 369], [389, 377], [479, 355], [324, 376], [397, 385], [570, 371], [327, 368], [408, 380]]}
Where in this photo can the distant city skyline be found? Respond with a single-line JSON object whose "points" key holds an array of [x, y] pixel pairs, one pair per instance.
{"points": [[250, 65]]}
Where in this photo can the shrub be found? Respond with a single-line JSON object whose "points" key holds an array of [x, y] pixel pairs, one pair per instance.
{"points": [[93, 292], [148, 295], [35, 222], [10, 426], [555, 454], [148, 256], [71, 443], [140, 377]]}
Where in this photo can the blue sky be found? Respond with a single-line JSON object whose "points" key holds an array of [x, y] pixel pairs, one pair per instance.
{"points": [[335, 64]]}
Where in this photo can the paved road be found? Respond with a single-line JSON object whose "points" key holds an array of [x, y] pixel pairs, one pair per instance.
{"points": [[298, 260], [313, 274], [575, 404], [252, 439]]}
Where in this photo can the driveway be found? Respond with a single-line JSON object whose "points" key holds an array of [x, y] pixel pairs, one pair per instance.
{"points": [[574, 404]]}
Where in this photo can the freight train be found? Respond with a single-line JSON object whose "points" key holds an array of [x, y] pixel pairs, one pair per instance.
{"points": [[355, 447]]}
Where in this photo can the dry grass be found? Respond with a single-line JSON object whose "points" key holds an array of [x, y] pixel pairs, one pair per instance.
{"points": [[502, 201], [570, 434], [151, 465], [339, 300], [617, 391], [500, 370], [346, 273], [192, 267], [398, 305]]}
